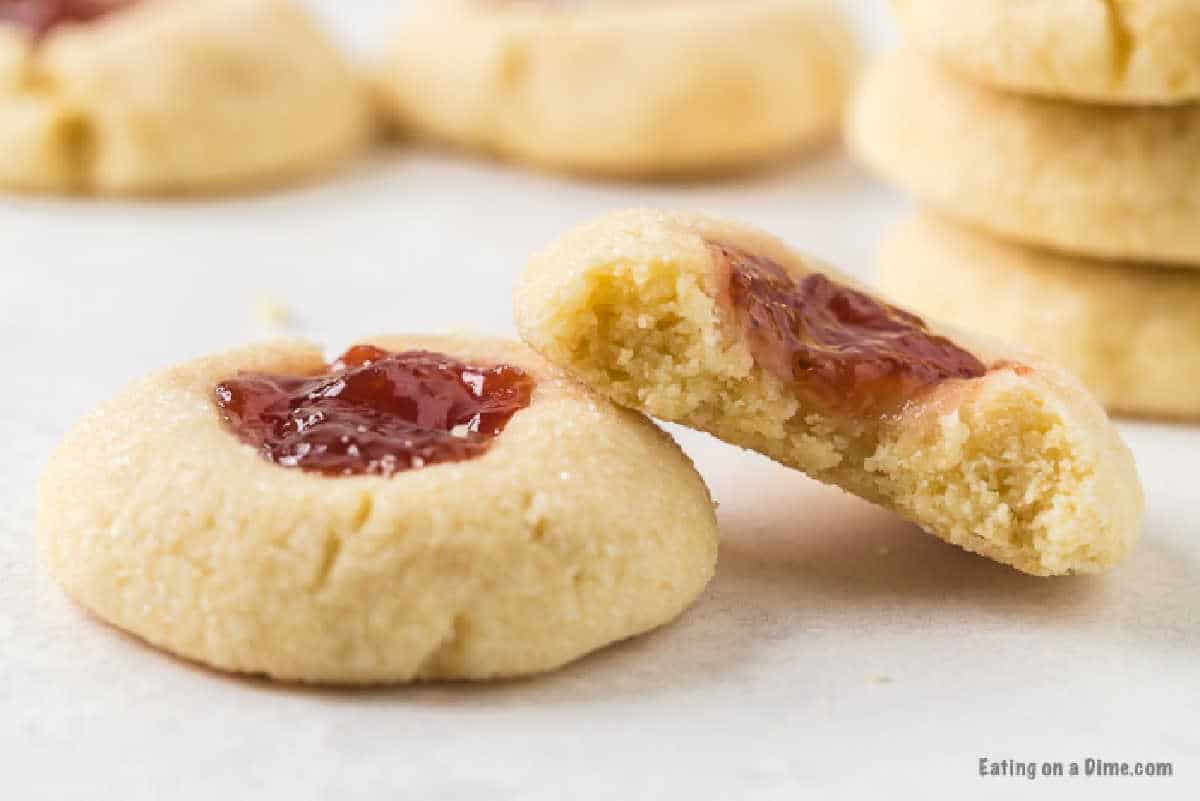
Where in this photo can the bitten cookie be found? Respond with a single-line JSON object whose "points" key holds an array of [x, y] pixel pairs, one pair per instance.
{"points": [[620, 87], [1118, 183], [1100, 51], [424, 508], [724, 329], [1130, 332], [169, 96]]}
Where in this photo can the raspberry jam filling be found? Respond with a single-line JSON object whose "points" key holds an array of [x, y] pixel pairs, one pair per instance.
{"points": [[40, 16], [843, 349], [375, 412]]}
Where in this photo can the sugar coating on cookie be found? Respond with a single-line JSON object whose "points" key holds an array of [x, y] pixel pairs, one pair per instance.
{"points": [[171, 96], [985, 446], [1131, 332], [1104, 181], [1099, 51], [541, 544], [622, 88]]}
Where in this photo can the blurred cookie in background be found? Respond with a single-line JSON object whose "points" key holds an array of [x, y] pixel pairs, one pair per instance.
{"points": [[169, 96], [622, 88], [1105, 181], [1121, 51], [1130, 332]]}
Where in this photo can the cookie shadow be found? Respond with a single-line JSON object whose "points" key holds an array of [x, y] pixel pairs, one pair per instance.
{"points": [[831, 554], [1156, 594], [840, 552], [797, 558], [784, 166]]}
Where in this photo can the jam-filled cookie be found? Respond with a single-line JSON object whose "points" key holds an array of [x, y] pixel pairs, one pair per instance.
{"points": [[1120, 51], [1105, 181], [621, 87], [1130, 332], [423, 507], [168, 96], [724, 329]]}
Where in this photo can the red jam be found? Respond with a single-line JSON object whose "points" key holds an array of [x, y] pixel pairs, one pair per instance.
{"points": [[849, 352], [40, 16], [375, 412]]}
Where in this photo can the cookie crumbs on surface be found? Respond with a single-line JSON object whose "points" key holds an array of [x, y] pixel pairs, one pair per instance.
{"points": [[273, 314]]}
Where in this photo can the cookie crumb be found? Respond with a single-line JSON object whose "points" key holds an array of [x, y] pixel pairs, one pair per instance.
{"points": [[878, 679], [273, 314]]}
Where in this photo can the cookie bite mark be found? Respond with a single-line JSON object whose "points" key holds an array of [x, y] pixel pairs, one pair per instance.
{"points": [[375, 412], [846, 351], [721, 328], [42, 16], [1022, 370]]}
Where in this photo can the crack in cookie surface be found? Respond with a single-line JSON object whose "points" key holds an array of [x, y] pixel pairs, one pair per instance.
{"points": [[1121, 40]]}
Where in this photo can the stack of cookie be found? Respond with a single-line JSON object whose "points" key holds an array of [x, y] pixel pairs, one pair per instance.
{"points": [[1057, 147]]}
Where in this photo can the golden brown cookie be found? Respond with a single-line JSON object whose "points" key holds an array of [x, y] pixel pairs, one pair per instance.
{"points": [[1119, 51], [169, 96], [521, 526], [619, 87], [723, 328], [1103, 181]]}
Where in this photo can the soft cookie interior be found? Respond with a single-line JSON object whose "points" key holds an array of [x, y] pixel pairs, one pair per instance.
{"points": [[1018, 463]]}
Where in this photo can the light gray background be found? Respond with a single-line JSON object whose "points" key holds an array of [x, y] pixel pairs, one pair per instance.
{"points": [[837, 650]]}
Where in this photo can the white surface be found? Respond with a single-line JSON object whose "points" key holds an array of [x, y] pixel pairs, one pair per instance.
{"points": [[837, 649]]}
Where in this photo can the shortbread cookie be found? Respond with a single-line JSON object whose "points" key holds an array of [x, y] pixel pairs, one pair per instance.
{"points": [[443, 508], [1130, 332], [159, 96], [622, 87], [1106, 51], [1103, 181], [724, 329]]}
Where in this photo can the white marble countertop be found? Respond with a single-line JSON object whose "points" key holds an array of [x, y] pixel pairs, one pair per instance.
{"points": [[837, 651]]}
